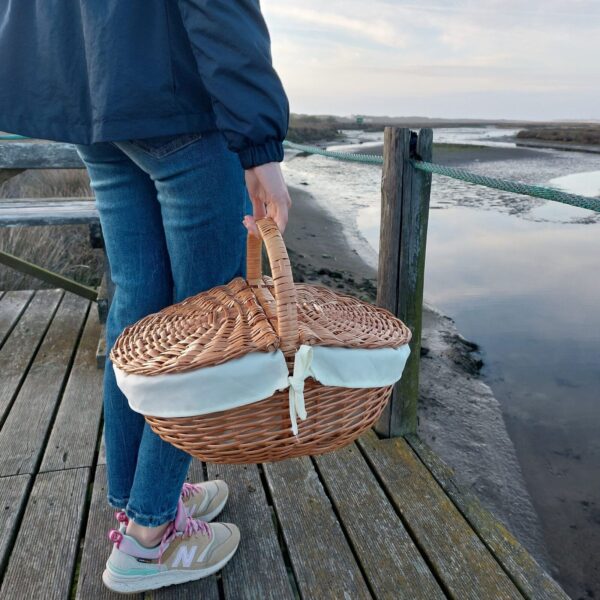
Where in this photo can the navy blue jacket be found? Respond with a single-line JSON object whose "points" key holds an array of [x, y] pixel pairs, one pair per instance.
{"points": [[85, 71]]}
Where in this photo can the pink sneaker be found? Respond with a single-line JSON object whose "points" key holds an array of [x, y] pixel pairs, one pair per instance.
{"points": [[190, 549]]}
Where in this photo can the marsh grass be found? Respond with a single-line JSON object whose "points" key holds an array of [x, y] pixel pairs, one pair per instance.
{"points": [[63, 249]]}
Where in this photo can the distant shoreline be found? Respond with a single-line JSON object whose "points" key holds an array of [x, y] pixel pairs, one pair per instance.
{"points": [[449, 154], [565, 146]]}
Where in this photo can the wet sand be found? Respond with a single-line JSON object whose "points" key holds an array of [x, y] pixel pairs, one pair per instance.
{"points": [[459, 417]]}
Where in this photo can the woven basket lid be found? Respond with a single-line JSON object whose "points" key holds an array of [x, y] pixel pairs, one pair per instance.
{"points": [[259, 313]]}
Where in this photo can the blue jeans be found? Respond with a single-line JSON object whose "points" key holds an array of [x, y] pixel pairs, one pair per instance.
{"points": [[171, 209]]}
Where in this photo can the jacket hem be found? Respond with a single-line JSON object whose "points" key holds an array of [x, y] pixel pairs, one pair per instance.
{"points": [[110, 130]]}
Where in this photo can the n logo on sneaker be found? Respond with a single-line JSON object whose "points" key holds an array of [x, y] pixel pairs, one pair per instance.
{"points": [[184, 557]]}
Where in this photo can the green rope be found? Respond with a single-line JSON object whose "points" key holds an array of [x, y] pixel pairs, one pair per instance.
{"points": [[504, 185], [348, 156], [515, 187]]}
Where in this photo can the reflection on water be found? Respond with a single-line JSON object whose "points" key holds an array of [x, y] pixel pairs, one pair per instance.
{"points": [[520, 277]]}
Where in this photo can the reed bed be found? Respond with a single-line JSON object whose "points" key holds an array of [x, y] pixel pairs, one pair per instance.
{"points": [[63, 249]]}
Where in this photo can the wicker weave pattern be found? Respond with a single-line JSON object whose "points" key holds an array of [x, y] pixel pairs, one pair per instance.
{"points": [[260, 432], [227, 322], [208, 329], [262, 314]]}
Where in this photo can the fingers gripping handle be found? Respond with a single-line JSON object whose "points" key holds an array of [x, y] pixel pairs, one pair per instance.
{"points": [[281, 270]]}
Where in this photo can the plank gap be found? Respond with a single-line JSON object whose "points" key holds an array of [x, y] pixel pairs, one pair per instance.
{"points": [[82, 529], [63, 385], [5, 297], [36, 349], [287, 560], [338, 516], [16, 525], [413, 536]]}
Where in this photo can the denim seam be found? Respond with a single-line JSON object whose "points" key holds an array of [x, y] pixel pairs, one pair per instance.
{"points": [[183, 140]]}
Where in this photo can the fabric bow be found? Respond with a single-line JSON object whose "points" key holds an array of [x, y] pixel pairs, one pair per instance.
{"points": [[302, 363]]}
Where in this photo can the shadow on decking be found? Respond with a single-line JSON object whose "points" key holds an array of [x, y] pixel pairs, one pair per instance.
{"points": [[378, 519]]}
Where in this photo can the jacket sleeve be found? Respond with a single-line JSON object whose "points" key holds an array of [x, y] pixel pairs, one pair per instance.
{"points": [[232, 47]]}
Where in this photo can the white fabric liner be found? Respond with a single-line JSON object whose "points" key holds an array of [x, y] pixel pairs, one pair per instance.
{"points": [[257, 376]]}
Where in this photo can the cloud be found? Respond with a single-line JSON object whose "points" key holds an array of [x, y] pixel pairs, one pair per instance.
{"points": [[362, 52], [374, 30]]}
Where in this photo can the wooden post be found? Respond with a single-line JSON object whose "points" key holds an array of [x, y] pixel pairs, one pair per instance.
{"points": [[405, 194]]}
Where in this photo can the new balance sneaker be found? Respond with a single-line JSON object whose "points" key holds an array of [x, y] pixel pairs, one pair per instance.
{"points": [[190, 549], [204, 500]]}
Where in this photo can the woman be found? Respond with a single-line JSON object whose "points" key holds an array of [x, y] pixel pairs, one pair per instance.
{"points": [[179, 117]]}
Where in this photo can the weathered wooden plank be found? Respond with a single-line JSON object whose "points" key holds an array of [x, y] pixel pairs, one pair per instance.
{"points": [[13, 494], [12, 305], [39, 155], [43, 558], [23, 435], [47, 211], [390, 559], [208, 588], [405, 203], [21, 345], [526, 573], [96, 547], [75, 430], [458, 556], [258, 569], [321, 557]]}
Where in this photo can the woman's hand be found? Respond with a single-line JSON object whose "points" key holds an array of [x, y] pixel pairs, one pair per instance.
{"points": [[269, 195]]}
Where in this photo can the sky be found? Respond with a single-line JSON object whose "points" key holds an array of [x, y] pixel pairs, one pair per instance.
{"points": [[513, 59]]}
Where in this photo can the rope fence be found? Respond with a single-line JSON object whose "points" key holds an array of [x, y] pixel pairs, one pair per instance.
{"points": [[514, 187]]}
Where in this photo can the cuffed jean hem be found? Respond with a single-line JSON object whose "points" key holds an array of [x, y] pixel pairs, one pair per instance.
{"points": [[117, 504], [150, 520]]}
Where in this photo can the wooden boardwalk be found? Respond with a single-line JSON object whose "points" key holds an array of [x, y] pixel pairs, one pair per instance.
{"points": [[379, 519]]}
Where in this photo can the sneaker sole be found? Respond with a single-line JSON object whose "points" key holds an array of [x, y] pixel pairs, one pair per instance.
{"points": [[144, 583]]}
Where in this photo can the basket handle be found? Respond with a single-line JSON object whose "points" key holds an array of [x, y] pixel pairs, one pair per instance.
{"points": [[281, 270]]}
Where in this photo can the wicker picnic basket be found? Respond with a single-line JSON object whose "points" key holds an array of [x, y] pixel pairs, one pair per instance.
{"points": [[258, 317]]}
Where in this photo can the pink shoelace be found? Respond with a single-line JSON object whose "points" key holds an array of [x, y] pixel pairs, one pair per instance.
{"points": [[190, 489], [187, 491], [192, 526], [122, 517]]}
